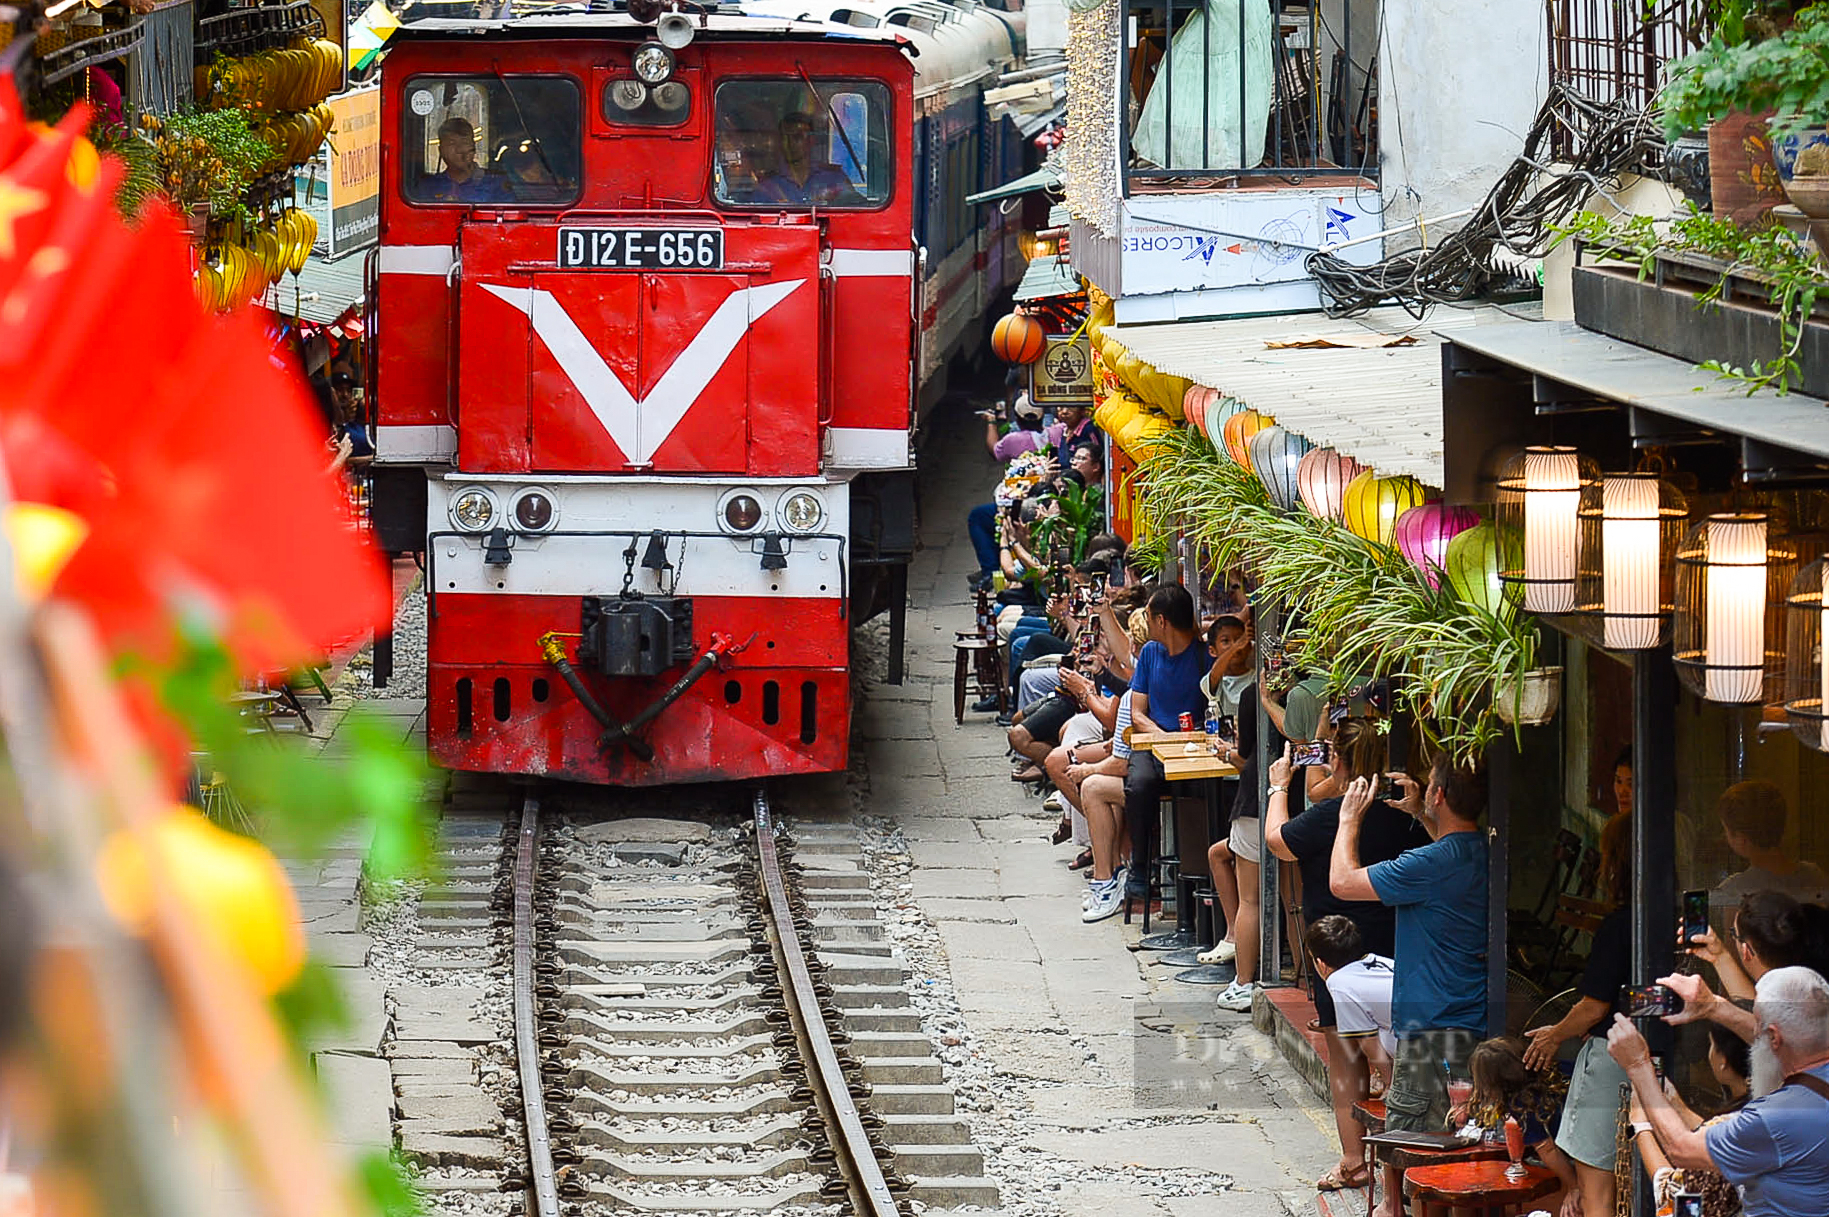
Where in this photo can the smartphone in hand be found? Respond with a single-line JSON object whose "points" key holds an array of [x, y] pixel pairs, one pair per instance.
{"points": [[1695, 915], [1648, 1001]]}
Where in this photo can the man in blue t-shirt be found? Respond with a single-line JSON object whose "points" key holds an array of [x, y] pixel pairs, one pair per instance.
{"points": [[1438, 999], [1164, 686], [1776, 1148]]}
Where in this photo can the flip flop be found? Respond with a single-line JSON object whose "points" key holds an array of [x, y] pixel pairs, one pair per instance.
{"points": [[1350, 1181]]}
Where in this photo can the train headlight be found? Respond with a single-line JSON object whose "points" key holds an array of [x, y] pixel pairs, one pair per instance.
{"points": [[628, 95], [652, 64], [473, 510], [740, 511], [801, 511], [534, 510]]}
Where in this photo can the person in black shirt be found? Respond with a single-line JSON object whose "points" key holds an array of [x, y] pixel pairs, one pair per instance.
{"points": [[1590, 1117], [1359, 750]]}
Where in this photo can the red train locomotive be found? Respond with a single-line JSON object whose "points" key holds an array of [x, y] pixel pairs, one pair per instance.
{"points": [[649, 305]]}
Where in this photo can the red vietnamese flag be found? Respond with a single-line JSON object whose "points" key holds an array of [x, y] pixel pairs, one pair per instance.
{"points": [[196, 461]]}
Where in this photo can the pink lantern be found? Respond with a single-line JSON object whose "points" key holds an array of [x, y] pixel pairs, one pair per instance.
{"points": [[1321, 480], [1423, 534], [1194, 405]]}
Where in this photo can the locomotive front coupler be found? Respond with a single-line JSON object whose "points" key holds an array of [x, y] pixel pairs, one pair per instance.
{"points": [[717, 655]]}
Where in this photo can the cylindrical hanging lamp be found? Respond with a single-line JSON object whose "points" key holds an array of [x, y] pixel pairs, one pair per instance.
{"points": [[1540, 503], [1276, 453], [1423, 534], [1732, 579], [1806, 666], [1631, 524], [1322, 478]]}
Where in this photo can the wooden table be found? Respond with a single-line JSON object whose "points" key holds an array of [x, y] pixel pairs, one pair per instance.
{"points": [[1478, 1186], [1179, 765]]}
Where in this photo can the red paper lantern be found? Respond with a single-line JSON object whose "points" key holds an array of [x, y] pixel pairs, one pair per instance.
{"points": [[1194, 405], [1321, 481], [1018, 338], [1423, 534]]}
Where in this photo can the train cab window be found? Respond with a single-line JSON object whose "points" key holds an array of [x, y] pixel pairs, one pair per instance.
{"points": [[479, 140], [783, 144]]}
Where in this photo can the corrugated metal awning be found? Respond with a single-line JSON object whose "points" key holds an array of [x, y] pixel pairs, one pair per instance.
{"points": [[1048, 277], [324, 289], [1380, 405], [1045, 178], [1675, 388]]}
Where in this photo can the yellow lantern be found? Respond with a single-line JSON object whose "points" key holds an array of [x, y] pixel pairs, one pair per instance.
{"points": [[1374, 503], [1238, 432]]}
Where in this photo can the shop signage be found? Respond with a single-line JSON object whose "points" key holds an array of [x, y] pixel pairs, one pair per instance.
{"points": [[355, 171], [1237, 239], [1063, 375]]}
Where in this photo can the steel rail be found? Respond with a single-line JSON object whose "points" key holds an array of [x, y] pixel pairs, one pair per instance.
{"points": [[871, 1196], [526, 1026]]}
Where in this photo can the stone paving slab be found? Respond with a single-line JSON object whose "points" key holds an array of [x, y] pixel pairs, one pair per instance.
{"points": [[959, 908], [341, 950], [966, 883], [358, 1099], [977, 940]]}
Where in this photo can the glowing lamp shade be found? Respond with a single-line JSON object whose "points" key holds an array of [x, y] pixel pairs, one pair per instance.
{"points": [[1806, 667], [1374, 503], [1423, 534], [1726, 630], [1276, 453], [1540, 502], [1194, 405], [1322, 479], [1237, 434], [1631, 524], [1472, 565]]}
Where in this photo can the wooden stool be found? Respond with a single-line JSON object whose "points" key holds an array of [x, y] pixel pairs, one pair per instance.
{"points": [[1369, 1114], [1479, 1186], [979, 660]]}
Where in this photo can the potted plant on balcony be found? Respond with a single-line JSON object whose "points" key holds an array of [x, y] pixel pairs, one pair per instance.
{"points": [[1763, 76]]}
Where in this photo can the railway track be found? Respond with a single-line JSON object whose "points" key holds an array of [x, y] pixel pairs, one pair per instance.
{"points": [[708, 1020]]}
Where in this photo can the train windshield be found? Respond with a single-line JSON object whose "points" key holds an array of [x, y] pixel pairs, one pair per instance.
{"points": [[783, 143], [472, 140]]}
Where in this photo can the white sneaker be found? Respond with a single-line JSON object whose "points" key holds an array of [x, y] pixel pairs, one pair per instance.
{"points": [[1104, 902], [1053, 802], [1222, 952], [1237, 997]]}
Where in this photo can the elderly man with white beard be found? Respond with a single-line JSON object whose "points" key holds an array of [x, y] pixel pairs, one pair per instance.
{"points": [[1776, 1148]]}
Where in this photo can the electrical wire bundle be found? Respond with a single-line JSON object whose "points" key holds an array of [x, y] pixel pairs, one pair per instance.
{"points": [[1514, 219]]}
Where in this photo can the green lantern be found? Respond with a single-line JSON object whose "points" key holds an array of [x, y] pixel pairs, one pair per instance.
{"points": [[1472, 564]]}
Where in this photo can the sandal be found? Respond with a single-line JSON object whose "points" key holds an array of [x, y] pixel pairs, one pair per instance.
{"points": [[1062, 831], [1337, 1180], [1081, 862]]}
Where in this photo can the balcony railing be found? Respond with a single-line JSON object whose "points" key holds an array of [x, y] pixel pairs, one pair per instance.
{"points": [[1616, 50], [1249, 89]]}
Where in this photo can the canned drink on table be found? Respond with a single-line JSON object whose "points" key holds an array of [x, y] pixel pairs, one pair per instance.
{"points": [[1187, 721]]}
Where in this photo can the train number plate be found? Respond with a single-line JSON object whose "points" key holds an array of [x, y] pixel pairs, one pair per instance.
{"points": [[641, 248]]}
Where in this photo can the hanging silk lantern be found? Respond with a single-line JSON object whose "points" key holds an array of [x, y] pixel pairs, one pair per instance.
{"points": [[1275, 454], [1423, 534], [1194, 405], [1218, 411], [1321, 480], [1238, 432], [1374, 503], [1472, 566]]}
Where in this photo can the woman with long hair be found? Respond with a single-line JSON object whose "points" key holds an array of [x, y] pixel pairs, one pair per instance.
{"points": [[1730, 1059]]}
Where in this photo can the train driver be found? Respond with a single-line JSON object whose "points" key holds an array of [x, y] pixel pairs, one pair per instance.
{"points": [[530, 175], [463, 180], [800, 178]]}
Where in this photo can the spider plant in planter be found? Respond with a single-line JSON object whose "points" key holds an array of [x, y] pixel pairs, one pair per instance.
{"points": [[1366, 611], [1761, 81]]}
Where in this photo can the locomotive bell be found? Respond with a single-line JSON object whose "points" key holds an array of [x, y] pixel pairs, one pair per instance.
{"points": [[674, 31]]}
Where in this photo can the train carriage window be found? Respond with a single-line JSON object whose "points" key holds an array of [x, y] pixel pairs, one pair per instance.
{"points": [[511, 140], [782, 143]]}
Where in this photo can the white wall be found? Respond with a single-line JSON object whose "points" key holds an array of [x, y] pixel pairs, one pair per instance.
{"points": [[1047, 30], [1459, 83]]}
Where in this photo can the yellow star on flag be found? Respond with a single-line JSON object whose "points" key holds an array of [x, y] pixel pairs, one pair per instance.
{"points": [[16, 201]]}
